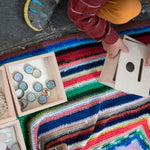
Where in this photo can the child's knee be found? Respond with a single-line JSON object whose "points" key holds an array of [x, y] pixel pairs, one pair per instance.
{"points": [[119, 12], [132, 10]]}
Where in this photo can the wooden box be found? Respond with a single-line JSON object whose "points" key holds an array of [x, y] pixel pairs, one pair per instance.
{"points": [[48, 66], [126, 72], [6, 103], [12, 131]]}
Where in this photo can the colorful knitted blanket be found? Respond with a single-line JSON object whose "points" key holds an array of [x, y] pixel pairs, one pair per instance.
{"points": [[96, 117]]}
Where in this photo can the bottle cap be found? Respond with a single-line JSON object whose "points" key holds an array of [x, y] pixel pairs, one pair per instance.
{"points": [[18, 77], [36, 73], [19, 93], [31, 97], [38, 87], [28, 69], [50, 84], [24, 103], [42, 99], [23, 85]]}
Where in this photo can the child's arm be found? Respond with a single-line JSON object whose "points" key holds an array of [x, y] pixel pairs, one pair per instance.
{"points": [[83, 14]]}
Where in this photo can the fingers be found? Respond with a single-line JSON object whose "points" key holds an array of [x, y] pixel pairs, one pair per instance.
{"points": [[116, 50], [113, 49], [113, 53], [147, 63], [125, 48]]}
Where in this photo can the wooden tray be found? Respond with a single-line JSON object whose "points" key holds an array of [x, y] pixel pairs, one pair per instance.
{"points": [[17, 136], [48, 66], [10, 114]]}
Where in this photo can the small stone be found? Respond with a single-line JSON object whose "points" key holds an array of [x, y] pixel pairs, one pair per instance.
{"points": [[46, 92]]}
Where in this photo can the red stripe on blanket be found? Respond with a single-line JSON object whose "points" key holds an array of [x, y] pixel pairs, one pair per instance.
{"points": [[118, 131], [81, 78], [65, 65], [80, 53]]}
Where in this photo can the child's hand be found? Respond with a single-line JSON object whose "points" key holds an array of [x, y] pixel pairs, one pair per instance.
{"points": [[113, 49], [147, 63]]}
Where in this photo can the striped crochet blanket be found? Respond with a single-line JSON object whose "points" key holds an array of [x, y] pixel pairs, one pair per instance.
{"points": [[96, 117]]}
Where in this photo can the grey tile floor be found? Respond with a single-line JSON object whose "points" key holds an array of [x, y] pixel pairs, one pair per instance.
{"points": [[15, 33]]}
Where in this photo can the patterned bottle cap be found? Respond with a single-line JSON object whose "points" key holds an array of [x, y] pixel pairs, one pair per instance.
{"points": [[38, 87], [19, 93], [46, 92], [24, 103], [31, 97], [18, 77], [42, 99], [36, 73], [28, 69], [23, 85], [50, 84]]}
